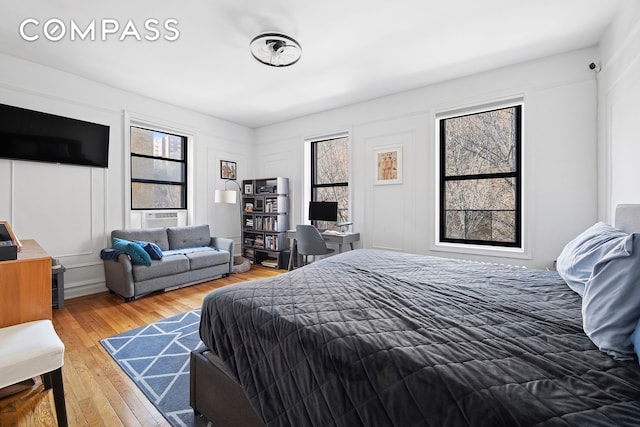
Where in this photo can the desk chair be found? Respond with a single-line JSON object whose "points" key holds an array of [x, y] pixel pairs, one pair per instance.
{"points": [[310, 242], [31, 349]]}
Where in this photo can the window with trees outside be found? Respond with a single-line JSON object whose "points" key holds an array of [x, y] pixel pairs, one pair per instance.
{"points": [[480, 177], [330, 176], [158, 170]]}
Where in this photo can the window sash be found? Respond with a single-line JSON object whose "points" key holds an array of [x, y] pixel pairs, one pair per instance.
{"points": [[149, 194], [491, 220], [158, 181], [322, 191]]}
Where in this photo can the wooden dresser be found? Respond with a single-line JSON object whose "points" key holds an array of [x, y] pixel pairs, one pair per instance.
{"points": [[25, 286]]}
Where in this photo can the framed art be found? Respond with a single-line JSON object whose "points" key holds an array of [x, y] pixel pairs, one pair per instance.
{"points": [[388, 165], [248, 189], [228, 170]]}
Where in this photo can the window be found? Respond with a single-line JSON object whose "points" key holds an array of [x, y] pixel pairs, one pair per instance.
{"points": [[158, 170], [330, 175], [480, 181]]}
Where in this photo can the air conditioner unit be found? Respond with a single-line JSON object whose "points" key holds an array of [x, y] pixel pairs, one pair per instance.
{"points": [[159, 219]]}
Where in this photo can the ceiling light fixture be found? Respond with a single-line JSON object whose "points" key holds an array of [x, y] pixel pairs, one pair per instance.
{"points": [[275, 50]]}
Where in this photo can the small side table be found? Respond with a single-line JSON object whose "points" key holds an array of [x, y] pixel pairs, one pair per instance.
{"points": [[57, 285]]}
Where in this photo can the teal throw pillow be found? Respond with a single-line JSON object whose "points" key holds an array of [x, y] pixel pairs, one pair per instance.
{"points": [[138, 255]]}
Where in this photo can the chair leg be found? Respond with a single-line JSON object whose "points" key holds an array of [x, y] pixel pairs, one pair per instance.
{"points": [[46, 379], [58, 396]]}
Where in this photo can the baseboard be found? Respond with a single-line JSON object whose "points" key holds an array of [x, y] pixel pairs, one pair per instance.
{"points": [[84, 290]]}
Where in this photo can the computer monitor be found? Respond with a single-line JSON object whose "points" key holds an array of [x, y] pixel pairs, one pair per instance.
{"points": [[323, 211]]}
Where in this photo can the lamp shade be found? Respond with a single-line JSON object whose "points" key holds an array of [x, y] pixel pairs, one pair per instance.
{"points": [[224, 196]]}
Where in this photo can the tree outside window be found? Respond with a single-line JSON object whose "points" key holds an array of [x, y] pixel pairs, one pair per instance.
{"points": [[330, 175], [480, 180]]}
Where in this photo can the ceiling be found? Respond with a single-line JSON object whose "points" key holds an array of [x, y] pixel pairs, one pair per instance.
{"points": [[353, 50]]}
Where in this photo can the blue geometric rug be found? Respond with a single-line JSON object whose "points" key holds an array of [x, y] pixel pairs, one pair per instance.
{"points": [[156, 357]]}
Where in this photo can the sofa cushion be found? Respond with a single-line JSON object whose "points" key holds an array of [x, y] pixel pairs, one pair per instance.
{"points": [[204, 259], [167, 266], [189, 236], [153, 235]]}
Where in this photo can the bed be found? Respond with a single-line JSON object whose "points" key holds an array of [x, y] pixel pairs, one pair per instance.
{"points": [[377, 338]]}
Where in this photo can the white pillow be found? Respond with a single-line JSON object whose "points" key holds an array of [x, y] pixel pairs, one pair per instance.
{"points": [[579, 256]]}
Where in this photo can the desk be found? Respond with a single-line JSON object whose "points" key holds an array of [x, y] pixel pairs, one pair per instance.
{"points": [[25, 286], [338, 238]]}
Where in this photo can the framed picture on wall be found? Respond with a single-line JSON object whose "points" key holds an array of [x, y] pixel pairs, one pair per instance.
{"points": [[388, 165], [228, 170], [248, 189]]}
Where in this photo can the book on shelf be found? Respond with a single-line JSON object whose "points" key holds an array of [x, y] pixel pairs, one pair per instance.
{"points": [[271, 242], [271, 206], [267, 189], [270, 223], [270, 262]]}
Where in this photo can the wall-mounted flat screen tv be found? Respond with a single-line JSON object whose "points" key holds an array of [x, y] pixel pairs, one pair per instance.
{"points": [[323, 211], [33, 135]]}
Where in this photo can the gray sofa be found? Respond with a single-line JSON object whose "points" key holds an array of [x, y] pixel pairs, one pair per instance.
{"points": [[189, 256]]}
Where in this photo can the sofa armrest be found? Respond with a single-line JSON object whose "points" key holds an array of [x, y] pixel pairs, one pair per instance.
{"points": [[119, 276], [227, 245]]}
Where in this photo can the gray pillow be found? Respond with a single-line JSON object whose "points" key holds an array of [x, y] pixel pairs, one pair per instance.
{"points": [[611, 301], [579, 256]]}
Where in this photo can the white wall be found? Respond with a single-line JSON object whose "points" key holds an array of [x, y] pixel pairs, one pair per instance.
{"points": [[619, 112], [559, 155], [70, 210]]}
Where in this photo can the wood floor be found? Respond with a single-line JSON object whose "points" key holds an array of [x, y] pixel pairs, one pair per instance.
{"points": [[97, 391]]}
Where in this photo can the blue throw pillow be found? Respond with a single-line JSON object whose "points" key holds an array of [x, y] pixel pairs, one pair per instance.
{"points": [[138, 255], [576, 261], [152, 249], [611, 301]]}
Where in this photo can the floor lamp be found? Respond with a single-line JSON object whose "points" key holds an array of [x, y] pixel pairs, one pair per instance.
{"points": [[230, 196]]}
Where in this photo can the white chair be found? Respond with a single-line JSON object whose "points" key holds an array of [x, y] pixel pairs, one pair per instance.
{"points": [[31, 349], [310, 242]]}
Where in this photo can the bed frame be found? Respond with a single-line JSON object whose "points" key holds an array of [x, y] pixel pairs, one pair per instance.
{"points": [[215, 394]]}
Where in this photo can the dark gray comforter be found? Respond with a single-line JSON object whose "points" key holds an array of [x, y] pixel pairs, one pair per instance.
{"points": [[377, 338]]}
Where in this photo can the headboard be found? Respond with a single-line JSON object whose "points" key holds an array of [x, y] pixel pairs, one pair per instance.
{"points": [[628, 218]]}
